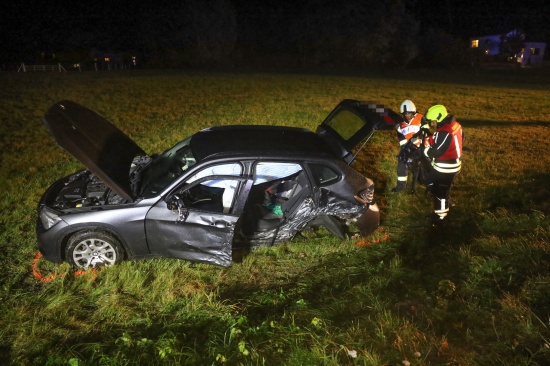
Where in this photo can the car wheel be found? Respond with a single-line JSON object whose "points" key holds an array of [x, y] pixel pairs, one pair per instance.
{"points": [[93, 248]]}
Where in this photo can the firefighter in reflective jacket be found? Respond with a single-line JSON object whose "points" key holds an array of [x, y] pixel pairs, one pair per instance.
{"points": [[405, 131], [445, 152]]}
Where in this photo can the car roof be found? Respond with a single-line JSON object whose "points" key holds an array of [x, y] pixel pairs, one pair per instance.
{"points": [[258, 140], [108, 153]]}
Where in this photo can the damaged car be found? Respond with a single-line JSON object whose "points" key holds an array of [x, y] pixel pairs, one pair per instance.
{"points": [[222, 190]]}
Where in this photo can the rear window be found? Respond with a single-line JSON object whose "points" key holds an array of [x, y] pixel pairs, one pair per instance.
{"points": [[269, 171], [323, 174], [345, 123]]}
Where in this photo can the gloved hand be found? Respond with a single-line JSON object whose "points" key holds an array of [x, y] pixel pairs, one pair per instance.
{"points": [[418, 135], [425, 151]]}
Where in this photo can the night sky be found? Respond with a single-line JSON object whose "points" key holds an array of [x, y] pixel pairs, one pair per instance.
{"points": [[470, 18], [30, 26]]}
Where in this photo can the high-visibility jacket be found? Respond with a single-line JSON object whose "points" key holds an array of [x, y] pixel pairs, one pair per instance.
{"points": [[445, 148], [406, 130]]}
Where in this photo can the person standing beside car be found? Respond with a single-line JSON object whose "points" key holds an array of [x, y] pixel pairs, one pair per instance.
{"points": [[445, 152], [409, 128]]}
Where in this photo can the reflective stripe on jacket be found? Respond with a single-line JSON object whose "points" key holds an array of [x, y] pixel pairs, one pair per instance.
{"points": [[406, 130], [446, 146]]}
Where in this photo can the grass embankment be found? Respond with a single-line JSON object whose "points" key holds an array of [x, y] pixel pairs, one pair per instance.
{"points": [[476, 291]]}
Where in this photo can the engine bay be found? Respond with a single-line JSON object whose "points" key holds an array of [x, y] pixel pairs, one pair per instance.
{"points": [[84, 189]]}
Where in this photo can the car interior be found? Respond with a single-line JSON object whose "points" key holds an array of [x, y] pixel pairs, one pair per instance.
{"points": [[204, 198], [269, 203], [278, 190]]}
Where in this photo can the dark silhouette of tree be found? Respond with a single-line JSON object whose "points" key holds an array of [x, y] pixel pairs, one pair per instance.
{"points": [[401, 31], [354, 33], [438, 48], [328, 34], [209, 29], [511, 44], [192, 32], [334, 32]]}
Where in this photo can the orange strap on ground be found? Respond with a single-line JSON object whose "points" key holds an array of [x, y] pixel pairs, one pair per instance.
{"points": [[38, 275], [365, 243]]}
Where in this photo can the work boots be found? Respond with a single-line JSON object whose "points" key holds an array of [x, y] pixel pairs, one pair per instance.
{"points": [[400, 186]]}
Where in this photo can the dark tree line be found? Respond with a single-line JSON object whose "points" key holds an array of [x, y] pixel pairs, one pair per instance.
{"points": [[167, 33]]}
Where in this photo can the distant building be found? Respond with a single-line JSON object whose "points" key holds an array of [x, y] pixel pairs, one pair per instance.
{"points": [[489, 44], [531, 54]]}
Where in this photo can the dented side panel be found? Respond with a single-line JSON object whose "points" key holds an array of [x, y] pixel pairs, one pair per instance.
{"points": [[366, 218], [202, 237]]}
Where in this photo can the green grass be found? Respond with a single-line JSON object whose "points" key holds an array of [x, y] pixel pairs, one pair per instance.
{"points": [[474, 293]]}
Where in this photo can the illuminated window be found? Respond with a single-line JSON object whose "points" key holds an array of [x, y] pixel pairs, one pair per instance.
{"points": [[475, 43], [535, 51]]}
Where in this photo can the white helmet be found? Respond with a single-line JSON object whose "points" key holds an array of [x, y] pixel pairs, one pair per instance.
{"points": [[407, 107]]}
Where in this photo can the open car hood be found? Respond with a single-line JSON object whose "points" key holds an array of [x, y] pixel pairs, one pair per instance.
{"points": [[353, 122], [101, 147]]}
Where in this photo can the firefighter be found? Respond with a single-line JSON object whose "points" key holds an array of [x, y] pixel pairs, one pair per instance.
{"points": [[445, 153], [406, 130]]}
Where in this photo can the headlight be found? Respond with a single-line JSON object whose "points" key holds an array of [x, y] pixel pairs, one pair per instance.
{"points": [[48, 217]]}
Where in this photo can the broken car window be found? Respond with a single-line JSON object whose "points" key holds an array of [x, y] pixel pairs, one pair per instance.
{"points": [[167, 167], [227, 186]]}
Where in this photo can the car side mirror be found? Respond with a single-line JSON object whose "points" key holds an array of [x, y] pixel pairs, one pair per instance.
{"points": [[176, 203]]}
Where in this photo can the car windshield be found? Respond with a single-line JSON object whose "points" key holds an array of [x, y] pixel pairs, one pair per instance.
{"points": [[167, 167]]}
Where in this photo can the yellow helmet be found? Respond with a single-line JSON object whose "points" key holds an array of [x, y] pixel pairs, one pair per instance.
{"points": [[437, 113]]}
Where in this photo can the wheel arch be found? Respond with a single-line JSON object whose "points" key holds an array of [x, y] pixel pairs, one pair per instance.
{"points": [[331, 223], [64, 240]]}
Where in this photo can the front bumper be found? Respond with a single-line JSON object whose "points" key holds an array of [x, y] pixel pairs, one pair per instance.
{"points": [[49, 241]]}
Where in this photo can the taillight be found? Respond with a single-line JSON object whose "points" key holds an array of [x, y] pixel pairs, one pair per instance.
{"points": [[366, 196]]}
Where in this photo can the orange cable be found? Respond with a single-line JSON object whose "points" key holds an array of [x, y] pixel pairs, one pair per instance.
{"points": [[364, 243], [38, 275]]}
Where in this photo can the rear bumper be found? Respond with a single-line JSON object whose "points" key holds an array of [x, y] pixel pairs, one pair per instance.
{"points": [[369, 221]]}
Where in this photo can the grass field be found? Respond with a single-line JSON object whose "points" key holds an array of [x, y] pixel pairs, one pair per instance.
{"points": [[475, 292]]}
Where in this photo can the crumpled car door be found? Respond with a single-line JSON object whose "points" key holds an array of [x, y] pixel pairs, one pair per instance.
{"points": [[196, 231]]}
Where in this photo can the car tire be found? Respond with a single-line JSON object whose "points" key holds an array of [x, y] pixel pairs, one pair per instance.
{"points": [[93, 248]]}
